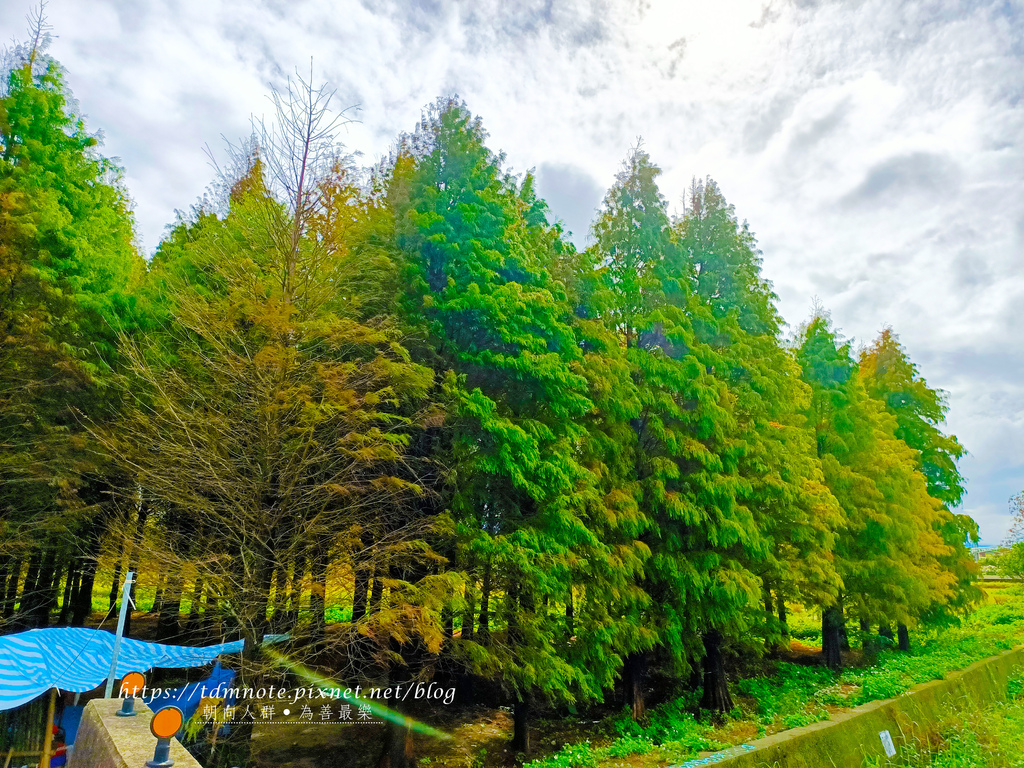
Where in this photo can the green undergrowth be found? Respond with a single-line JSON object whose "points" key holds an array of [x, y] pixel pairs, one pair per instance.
{"points": [[790, 695], [988, 738]]}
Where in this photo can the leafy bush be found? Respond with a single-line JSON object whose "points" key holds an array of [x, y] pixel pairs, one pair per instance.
{"points": [[873, 645], [671, 722], [630, 745], [569, 756], [337, 613], [883, 684], [800, 719], [786, 694], [1003, 615], [1015, 688], [832, 694]]}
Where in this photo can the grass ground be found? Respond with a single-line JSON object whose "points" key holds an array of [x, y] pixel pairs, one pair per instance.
{"points": [[784, 693], [989, 738], [791, 693], [773, 695]]}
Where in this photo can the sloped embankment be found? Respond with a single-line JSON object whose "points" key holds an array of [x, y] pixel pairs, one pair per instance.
{"points": [[845, 740]]}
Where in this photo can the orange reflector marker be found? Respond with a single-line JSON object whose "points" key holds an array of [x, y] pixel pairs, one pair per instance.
{"points": [[166, 722], [133, 683], [164, 725]]}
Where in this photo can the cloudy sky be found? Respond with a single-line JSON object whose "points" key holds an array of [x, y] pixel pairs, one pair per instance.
{"points": [[875, 146]]}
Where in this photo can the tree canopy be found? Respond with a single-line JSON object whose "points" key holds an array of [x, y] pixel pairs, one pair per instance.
{"points": [[396, 414]]}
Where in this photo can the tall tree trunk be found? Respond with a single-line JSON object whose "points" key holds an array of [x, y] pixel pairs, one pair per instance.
{"points": [[318, 590], [865, 626], [6, 570], [70, 592], [884, 630], [904, 637], [831, 637], [484, 630], [361, 585], [570, 614], [168, 623], [29, 594], [298, 577], [260, 598], [469, 615], [115, 584], [716, 687], [45, 589], [378, 589], [212, 621], [635, 669], [844, 636], [521, 725], [133, 561], [82, 598], [280, 598], [398, 749], [770, 643], [53, 592], [448, 621], [194, 622], [781, 602], [11, 596], [158, 598], [465, 688]]}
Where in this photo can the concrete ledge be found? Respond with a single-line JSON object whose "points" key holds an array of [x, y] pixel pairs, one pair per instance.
{"points": [[105, 740], [846, 739]]}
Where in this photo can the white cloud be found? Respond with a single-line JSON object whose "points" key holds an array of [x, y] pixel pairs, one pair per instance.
{"points": [[874, 146]]}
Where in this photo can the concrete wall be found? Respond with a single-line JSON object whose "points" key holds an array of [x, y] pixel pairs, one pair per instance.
{"points": [[107, 741], [846, 739]]}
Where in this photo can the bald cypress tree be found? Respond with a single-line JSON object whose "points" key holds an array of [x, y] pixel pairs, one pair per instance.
{"points": [[684, 459], [892, 378], [68, 265], [495, 322], [782, 483], [890, 552]]}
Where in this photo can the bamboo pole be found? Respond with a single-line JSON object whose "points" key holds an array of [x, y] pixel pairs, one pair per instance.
{"points": [[44, 761], [10, 754]]}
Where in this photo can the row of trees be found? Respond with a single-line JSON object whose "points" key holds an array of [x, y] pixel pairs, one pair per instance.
{"points": [[510, 462]]}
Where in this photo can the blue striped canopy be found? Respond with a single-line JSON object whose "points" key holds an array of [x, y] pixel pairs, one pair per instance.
{"points": [[78, 659]]}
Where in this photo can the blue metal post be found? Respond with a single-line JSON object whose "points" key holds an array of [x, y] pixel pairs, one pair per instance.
{"points": [[161, 755], [127, 707]]}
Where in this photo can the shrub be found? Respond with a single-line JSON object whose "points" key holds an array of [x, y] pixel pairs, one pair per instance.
{"points": [[630, 745], [883, 684], [569, 756], [800, 719]]}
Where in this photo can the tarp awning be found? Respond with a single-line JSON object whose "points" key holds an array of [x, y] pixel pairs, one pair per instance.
{"points": [[187, 698], [78, 659]]}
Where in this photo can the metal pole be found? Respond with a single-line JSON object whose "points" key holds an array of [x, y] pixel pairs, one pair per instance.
{"points": [[125, 600]]}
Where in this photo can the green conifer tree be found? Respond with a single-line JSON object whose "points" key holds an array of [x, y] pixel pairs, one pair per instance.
{"points": [[68, 265], [891, 377], [889, 551], [492, 316], [783, 484], [684, 462]]}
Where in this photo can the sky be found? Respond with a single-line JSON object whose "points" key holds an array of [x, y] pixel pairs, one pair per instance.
{"points": [[875, 147]]}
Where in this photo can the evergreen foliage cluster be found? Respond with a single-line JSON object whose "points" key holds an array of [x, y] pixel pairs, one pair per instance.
{"points": [[538, 473]]}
